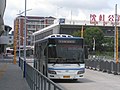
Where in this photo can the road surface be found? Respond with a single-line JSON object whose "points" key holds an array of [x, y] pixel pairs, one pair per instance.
{"points": [[93, 80]]}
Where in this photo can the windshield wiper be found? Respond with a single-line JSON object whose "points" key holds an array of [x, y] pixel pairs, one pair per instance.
{"points": [[56, 60]]}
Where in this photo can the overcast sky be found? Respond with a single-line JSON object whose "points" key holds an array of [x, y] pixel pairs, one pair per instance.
{"points": [[77, 9]]}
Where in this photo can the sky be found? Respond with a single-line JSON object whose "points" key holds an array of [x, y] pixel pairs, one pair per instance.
{"points": [[75, 9]]}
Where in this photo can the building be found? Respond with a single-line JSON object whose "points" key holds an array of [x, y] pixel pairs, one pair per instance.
{"points": [[4, 29], [33, 23], [4, 39], [11, 38], [2, 10], [63, 26]]}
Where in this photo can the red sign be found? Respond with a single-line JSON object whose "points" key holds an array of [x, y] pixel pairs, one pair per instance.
{"points": [[94, 19]]}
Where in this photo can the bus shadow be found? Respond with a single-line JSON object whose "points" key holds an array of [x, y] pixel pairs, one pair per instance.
{"points": [[83, 80]]}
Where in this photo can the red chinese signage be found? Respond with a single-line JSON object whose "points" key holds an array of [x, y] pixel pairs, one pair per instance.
{"points": [[94, 19]]}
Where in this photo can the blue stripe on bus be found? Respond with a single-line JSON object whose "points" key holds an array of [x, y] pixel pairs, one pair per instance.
{"points": [[66, 68], [71, 38]]}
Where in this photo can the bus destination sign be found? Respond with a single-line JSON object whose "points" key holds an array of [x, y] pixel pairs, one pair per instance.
{"points": [[66, 41]]}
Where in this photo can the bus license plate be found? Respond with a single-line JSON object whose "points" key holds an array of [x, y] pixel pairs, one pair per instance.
{"points": [[66, 76]]}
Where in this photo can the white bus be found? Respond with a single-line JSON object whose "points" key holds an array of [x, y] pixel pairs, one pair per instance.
{"points": [[59, 56]]}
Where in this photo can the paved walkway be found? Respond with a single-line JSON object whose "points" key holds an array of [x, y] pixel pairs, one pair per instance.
{"points": [[11, 77]]}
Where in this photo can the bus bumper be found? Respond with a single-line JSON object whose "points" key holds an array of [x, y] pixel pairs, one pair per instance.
{"points": [[53, 76]]}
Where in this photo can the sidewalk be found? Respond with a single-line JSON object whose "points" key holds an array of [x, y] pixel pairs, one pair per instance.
{"points": [[11, 77]]}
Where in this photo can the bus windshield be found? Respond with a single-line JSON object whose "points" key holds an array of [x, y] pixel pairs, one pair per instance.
{"points": [[65, 53]]}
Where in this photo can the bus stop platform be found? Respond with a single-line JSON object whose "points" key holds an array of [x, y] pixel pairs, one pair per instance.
{"points": [[11, 77]]}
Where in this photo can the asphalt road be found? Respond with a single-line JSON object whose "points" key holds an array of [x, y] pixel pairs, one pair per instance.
{"points": [[93, 80]]}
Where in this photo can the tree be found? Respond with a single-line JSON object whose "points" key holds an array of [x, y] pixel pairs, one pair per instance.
{"points": [[108, 44], [77, 33], [97, 34], [89, 34]]}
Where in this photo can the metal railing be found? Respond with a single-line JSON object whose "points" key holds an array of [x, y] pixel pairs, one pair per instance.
{"points": [[36, 80], [102, 65]]}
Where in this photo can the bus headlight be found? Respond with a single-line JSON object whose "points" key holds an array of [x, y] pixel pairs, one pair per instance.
{"points": [[80, 72], [51, 72]]}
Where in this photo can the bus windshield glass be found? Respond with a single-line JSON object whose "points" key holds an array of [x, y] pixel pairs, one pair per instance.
{"points": [[65, 53]]}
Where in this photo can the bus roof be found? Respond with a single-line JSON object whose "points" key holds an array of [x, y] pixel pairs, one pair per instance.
{"points": [[67, 38], [62, 38], [44, 29], [59, 35]]}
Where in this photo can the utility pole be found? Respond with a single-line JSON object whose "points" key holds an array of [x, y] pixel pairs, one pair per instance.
{"points": [[19, 18], [19, 40], [15, 40], [117, 58], [82, 32], [116, 36]]}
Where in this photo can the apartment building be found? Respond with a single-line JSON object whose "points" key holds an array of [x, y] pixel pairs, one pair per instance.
{"points": [[33, 23]]}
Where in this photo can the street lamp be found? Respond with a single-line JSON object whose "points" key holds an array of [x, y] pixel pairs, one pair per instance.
{"points": [[20, 13], [24, 11], [24, 73], [57, 13], [93, 44], [94, 47], [71, 17]]}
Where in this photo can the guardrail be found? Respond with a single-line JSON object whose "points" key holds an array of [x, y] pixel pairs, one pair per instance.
{"points": [[36, 80], [102, 65]]}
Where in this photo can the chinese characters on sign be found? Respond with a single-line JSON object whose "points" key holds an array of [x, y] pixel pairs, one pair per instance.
{"points": [[94, 19]]}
